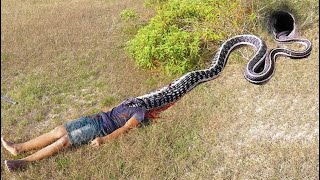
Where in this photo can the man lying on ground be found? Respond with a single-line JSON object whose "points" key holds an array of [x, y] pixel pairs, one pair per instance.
{"points": [[97, 129]]}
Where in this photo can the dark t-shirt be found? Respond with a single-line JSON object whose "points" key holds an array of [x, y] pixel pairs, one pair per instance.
{"points": [[120, 114]]}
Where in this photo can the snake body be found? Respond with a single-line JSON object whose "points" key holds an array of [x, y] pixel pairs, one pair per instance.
{"points": [[258, 70]]}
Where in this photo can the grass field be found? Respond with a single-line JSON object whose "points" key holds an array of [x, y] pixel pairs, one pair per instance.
{"points": [[64, 59]]}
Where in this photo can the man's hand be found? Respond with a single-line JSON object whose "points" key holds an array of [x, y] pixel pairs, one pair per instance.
{"points": [[131, 123], [97, 142]]}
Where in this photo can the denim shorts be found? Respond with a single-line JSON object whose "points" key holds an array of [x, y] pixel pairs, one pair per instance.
{"points": [[84, 130]]}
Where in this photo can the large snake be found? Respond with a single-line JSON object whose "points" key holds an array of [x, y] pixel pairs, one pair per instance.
{"points": [[258, 70]]}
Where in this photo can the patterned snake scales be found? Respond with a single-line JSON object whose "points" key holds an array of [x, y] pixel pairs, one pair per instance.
{"points": [[258, 70]]}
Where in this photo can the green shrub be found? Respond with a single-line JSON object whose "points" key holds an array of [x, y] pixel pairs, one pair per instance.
{"points": [[153, 3], [128, 14], [181, 31]]}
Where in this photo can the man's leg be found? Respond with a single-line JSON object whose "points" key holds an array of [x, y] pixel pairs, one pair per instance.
{"points": [[50, 150], [36, 143]]}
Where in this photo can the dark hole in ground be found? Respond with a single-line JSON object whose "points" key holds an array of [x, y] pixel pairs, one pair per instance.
{"points": [[281, 21]]}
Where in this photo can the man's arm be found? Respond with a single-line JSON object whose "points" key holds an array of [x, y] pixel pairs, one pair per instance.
{"points": [[130, 124]]}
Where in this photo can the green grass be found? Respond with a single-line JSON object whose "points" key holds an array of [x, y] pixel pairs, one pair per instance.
{"points": [[108, 101], [64, 59]]}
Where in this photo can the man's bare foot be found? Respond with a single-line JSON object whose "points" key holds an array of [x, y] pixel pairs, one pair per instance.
{"points": [[14, 165], [10, 147]]}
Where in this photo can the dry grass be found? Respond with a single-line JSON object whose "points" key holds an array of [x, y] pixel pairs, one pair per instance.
{"points": [[64, 59]]}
